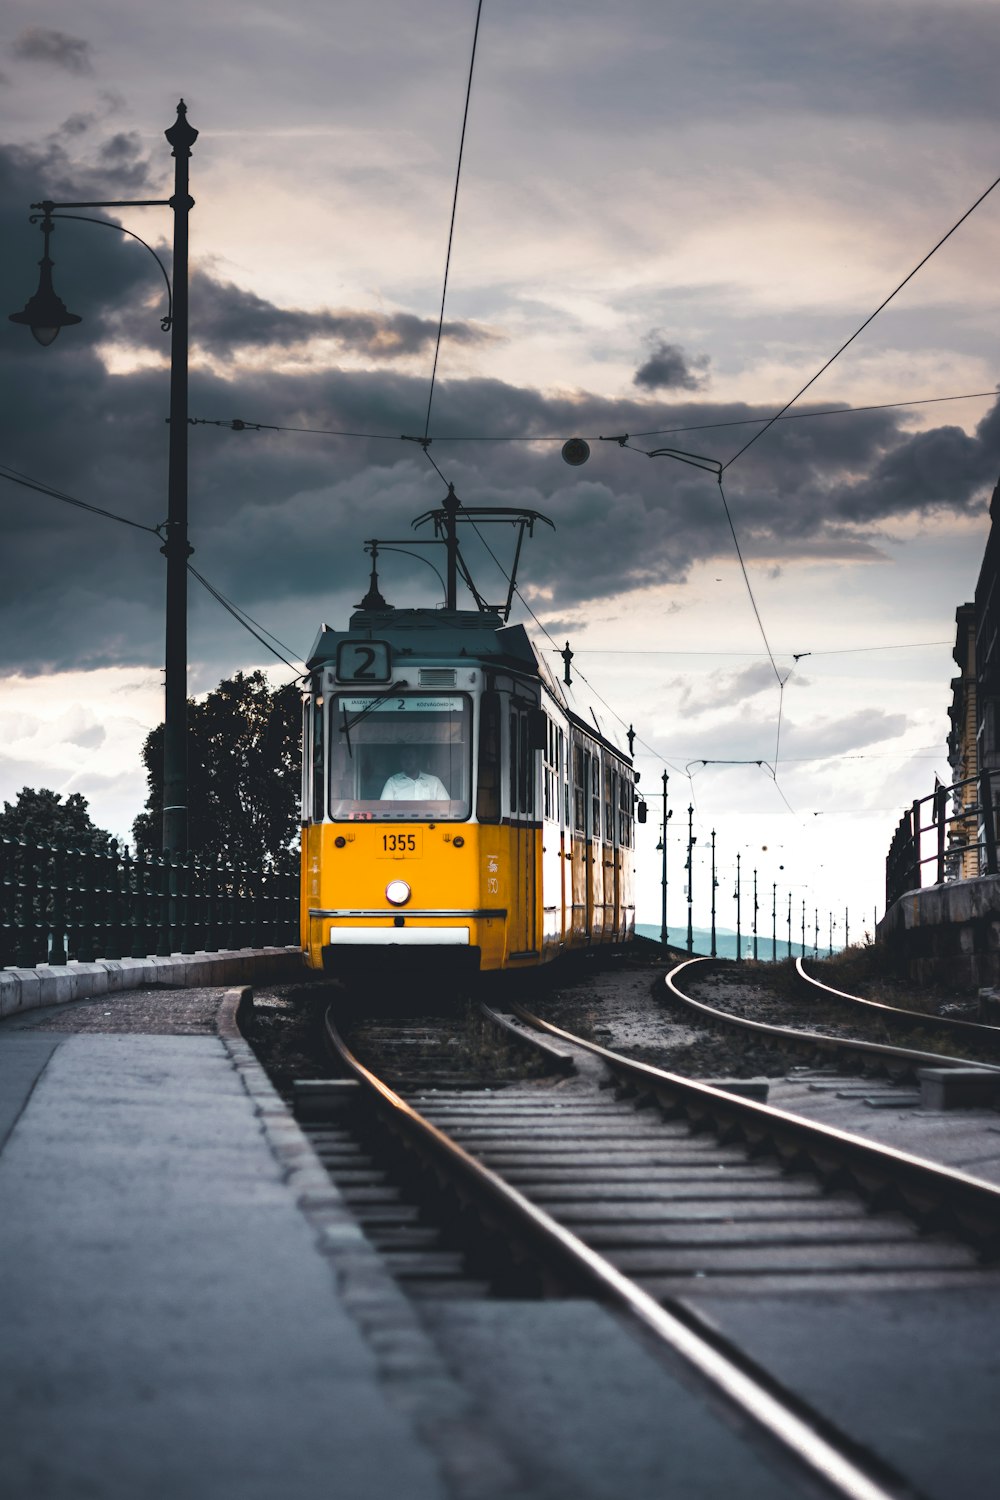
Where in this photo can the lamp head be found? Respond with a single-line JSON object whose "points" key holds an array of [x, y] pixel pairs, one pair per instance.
{"points": [[45, 313]]}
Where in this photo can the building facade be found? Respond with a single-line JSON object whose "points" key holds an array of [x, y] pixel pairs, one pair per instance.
{"points": [[963, 750]]}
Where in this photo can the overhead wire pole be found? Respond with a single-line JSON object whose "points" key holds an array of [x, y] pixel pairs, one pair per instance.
{"points": [[690, 872], [755, 915], [739, 934], [45, 314], [664, 931], [714, 886], [176, 548]]}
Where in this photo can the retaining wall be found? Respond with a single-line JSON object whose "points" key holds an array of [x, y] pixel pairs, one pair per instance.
{"points": [[55, 984], [948, 933]]}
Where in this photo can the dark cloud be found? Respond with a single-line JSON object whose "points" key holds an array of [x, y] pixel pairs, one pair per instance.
{"points": [[669, 368], [225, 319], [40, 44], [943, 469]]}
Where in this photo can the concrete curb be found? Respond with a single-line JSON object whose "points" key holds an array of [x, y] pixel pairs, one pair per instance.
{"points": [[57, 984], [414, 1375]]}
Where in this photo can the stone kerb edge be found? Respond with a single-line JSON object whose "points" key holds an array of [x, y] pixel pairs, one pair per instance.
{"points": [[58, 984]]}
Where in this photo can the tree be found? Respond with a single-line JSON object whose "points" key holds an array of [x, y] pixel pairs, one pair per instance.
{"points": [[243, 775], [42, 817]]}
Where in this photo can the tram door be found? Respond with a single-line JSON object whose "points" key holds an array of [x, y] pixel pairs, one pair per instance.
{"points": [[523, 894]]}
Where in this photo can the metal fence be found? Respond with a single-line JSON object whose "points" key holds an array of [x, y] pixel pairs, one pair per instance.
{"points": [[59, 903], [927, 825]]}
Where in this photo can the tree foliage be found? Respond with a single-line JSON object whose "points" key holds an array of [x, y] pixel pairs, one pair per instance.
{"points": [[243, 775], [42, 817]]}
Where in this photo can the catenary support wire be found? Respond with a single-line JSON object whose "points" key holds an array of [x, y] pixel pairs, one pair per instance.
{"points": [[451, 226]]}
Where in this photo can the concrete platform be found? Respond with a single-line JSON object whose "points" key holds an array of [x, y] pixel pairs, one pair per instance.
{"points": [[170, 1325]]}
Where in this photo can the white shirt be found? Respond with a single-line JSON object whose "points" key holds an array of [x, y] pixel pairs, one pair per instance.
{"points": [[420, 788]]}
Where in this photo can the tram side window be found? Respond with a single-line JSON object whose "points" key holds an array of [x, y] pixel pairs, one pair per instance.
{"points": [[513, 763], [581, 771], [609, 802], [595, 797], [488, 785], [525, 778], [317, 759], [625, 798], [550, 778]]}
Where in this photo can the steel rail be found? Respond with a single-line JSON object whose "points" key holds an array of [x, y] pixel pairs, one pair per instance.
{"points": [[895, 1058], [912, 1018], [745, 1390], [925, 1187]]}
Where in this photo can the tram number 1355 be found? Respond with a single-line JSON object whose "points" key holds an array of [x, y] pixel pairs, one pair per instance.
{"points": [[400, 843]]}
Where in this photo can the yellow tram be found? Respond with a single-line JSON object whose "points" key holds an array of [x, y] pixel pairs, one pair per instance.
{"points": [[457, 799]]}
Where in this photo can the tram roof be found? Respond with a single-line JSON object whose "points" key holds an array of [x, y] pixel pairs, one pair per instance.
{"points": [[430, 633], [450, 633]]}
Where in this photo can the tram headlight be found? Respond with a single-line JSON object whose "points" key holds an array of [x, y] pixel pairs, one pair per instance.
{"points": [[398, 892]]}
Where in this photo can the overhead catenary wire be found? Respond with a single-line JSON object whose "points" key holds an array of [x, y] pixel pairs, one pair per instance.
{"points": [[758, 655], [238, 424], [861, 328], [257, 630], [14, 476], [454, 210], [760, 433], [241, 615]]}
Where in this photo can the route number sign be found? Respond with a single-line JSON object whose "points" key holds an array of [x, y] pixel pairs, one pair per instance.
{"points": [[363, 661]]}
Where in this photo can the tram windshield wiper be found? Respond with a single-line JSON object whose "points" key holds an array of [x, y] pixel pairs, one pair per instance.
{"points": [[349, 723]]}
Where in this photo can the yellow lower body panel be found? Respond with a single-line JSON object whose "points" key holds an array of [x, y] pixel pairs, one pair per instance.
{"points": [[394, 888]]}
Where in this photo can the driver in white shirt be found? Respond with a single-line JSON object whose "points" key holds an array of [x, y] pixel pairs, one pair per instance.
{"points": [[411, 784]]}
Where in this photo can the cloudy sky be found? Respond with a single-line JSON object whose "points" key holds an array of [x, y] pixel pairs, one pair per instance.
{"points": [[670, 217]]}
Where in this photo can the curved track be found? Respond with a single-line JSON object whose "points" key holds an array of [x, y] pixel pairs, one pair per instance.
{"points": [[898, 1062], [977, 1034]]}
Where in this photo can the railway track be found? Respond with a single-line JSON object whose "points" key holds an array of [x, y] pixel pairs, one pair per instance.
{"points": [[841, 1053], [982, 1040], [574, 1186]]}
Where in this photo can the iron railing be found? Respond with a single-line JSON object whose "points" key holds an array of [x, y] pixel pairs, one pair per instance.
{"points": [[971, 828], [59, 903]]}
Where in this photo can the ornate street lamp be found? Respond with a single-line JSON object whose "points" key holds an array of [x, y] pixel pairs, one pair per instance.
{"points": [[692, 840], [662, 848], [45, 314]]}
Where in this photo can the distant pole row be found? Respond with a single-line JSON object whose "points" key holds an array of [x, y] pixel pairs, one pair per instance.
{"points": [[692, 839]]}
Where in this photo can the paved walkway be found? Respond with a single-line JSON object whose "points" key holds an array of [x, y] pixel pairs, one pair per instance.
{"points": [[170, 1327]]}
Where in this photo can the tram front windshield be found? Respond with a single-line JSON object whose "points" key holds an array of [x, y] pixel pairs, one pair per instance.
{"points": [[404, 758]]}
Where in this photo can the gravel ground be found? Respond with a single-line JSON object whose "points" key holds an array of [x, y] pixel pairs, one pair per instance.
{"points": [[628, 1009], [158, 1011]]}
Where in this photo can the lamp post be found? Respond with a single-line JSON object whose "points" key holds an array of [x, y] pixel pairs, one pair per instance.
{"points": [[45, 314], [755, 907], [691, 843], [667, 815], [715, 886], [736, 898]]}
